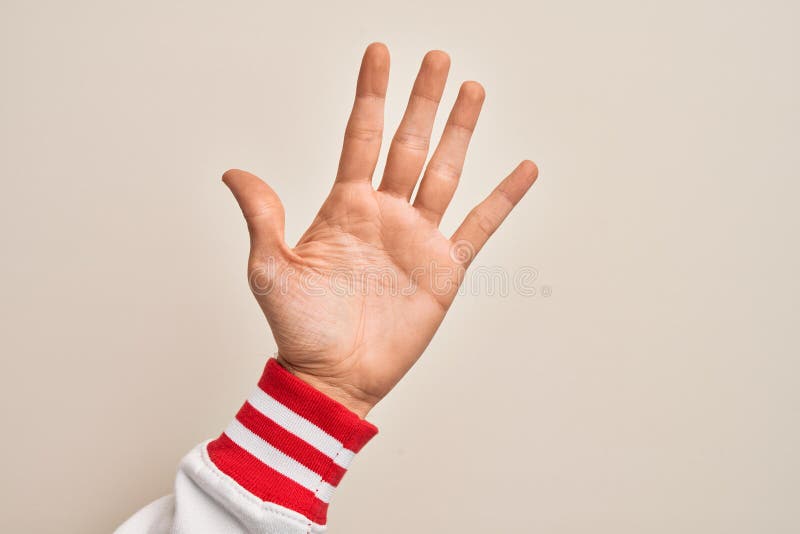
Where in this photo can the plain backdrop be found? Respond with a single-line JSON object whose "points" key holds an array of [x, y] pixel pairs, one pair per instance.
{"points": [[651, 383]]}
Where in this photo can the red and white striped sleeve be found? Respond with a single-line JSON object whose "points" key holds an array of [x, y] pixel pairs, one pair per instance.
{"points": [[274, 469]]}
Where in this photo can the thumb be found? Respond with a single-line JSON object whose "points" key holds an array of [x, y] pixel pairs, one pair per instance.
{"points": [[261, 207]]}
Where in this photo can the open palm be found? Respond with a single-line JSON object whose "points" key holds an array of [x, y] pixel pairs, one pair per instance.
{"points": [[354, 304]]}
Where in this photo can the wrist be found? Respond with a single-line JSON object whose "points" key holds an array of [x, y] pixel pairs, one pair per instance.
{"points": [[349, 397]]}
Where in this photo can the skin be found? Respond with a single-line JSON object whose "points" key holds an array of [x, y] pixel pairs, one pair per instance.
{"points": [[355, 303]]}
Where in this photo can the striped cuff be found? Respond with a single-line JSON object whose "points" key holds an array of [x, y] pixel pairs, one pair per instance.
{"points": [[290, 444]]}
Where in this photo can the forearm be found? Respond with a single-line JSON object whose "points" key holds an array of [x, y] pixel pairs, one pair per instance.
{"points": [[274, 468]]}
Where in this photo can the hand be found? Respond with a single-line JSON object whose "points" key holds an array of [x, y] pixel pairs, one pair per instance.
{"points": [[355, 303]]}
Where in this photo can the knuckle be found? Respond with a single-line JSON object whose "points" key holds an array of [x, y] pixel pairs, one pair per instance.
{"points": [[505, 196], [430, 99], [464, 130], [363, 132], [445, 170], [484, 222], [412, 141]]}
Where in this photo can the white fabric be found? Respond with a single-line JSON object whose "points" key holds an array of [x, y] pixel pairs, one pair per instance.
{"points": [[207, 501], [301, 427], [279, 461]]}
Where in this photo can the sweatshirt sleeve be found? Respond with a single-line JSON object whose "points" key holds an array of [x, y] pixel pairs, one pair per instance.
{"points": [[272, 471]]}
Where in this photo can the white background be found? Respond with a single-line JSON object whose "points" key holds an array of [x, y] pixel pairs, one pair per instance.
{"points": [[655, 390]]}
